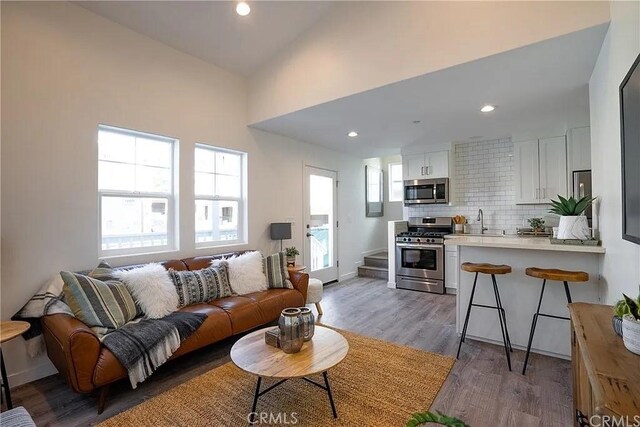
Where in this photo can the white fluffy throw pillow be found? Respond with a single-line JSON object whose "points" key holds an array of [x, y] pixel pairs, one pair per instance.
{"points": [[152, 289], [246, 273]]}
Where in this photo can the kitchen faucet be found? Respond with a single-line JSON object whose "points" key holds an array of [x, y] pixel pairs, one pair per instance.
{"points": [[481, 219]]}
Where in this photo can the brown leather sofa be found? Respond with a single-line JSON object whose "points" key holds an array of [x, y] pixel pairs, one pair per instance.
{"points": [[86, 365]]}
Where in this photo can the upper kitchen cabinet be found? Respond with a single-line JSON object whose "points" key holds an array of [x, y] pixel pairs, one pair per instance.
{"points": [[579, 149], [426, 166], [540, 170]]}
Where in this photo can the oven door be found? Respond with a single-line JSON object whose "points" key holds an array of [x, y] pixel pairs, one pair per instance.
{"points": [[420, 261]]}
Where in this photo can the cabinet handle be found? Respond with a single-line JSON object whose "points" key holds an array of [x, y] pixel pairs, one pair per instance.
{"points": [[421, 170], [428, 172]]}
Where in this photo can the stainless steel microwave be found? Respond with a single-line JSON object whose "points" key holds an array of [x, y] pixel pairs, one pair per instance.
{"points": [[426, 191]]}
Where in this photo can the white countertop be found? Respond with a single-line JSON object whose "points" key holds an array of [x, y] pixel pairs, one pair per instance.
{"points": [[515, 242]]}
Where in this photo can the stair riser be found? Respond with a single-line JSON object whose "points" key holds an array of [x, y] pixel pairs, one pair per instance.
{"points": [[376, 262], [376, 274]]}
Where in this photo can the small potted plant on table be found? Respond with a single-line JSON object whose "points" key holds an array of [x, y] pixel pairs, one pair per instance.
{"points": [[291, 254], [629, 310]]}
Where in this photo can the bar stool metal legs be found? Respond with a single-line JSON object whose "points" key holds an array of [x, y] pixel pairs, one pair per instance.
{"points": [[501, 317], [534, 322]]}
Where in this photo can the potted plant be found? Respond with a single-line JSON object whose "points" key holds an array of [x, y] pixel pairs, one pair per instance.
{"points": [[619, 310], [291, 254], [536, 224], [573, 225], [630, 324]]}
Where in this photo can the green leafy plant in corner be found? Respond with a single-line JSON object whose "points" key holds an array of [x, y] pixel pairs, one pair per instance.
{"points": [[292, 251], [570, 206], [420, 418], [628, 306]]}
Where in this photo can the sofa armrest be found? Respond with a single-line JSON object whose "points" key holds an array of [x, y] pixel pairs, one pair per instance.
{"points": [[73, 348], [300, 282]]}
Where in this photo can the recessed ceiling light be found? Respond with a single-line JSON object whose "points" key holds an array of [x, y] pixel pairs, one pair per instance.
{"points": [[352, 134], [243, 8], [487, 108]]}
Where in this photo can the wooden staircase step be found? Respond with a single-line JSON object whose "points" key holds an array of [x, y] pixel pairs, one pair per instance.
{"points": [[373, 272]]}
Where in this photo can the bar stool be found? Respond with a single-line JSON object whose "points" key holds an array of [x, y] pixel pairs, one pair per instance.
{"points": [[492, 270], [555, 275]]}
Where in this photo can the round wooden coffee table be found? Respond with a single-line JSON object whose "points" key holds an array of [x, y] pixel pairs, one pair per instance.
{"points": [[8, 331], [327, 348]]}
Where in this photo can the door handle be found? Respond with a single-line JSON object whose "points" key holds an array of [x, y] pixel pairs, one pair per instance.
{"points": [[309, 235]]}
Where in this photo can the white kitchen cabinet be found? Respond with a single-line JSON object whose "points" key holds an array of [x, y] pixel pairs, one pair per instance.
{"points": [[553, 168], [579, 149], [413, 166], [540, 170], [451, 269], [426, 165]]}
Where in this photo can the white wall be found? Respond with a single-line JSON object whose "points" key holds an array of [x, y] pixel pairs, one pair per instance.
{"points": [[64, 71], [621, 265], [363, 45]]}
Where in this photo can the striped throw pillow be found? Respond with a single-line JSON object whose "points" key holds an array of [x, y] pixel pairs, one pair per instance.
{"points": [[201, 285], [275, 268], [103, 306], [104, 272]]}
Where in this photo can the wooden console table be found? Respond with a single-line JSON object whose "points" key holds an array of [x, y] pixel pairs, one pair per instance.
{"points": [[606, 376]]}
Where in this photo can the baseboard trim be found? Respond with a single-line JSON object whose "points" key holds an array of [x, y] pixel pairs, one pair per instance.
{"points": [[452, 291], [347, 276], [373, 251], [29, 375], [520, 347], [391, 285]]}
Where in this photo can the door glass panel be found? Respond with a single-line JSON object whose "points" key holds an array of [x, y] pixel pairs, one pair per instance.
{"points": [[424, 259], [321, 210]]}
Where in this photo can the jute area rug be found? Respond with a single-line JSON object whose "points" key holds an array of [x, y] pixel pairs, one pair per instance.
{"points": [[377, 384]]}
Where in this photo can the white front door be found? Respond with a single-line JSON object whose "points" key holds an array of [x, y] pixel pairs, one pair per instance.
{"points": [[320, 222]]}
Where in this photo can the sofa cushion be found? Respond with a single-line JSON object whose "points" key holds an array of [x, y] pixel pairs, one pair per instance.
{"points": [[102, 306], [215, 328], [244, 313], [200, 262], [275, 268], [152, 289], [273, 301], [201, 285]]}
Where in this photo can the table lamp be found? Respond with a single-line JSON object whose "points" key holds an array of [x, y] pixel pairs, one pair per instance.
{"points": [[280, 231]]}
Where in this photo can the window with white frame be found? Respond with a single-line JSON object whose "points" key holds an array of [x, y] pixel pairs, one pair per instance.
{"points": [[219, 193], [396, 185], [136, 187]]}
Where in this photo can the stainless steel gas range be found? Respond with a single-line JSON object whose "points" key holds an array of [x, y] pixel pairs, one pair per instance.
{"points": [[420, 254]]}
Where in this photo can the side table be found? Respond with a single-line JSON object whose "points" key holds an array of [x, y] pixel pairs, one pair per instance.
{"points": [[8, 331]]}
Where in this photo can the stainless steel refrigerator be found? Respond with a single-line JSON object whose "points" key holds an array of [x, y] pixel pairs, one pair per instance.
{"points": [[582, 188]]}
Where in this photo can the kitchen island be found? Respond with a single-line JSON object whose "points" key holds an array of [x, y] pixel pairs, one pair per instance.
{"points": [[520, 293]]}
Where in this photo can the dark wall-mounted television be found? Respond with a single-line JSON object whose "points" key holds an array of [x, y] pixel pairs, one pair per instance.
{"points": [[630, 136]]}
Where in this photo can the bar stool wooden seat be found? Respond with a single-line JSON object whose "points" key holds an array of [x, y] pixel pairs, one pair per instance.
{"points": [[492, 270], [557, 275]]}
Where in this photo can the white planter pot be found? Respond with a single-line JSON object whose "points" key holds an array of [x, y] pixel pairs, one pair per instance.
{"points": [[631, 333], [574, 227]]}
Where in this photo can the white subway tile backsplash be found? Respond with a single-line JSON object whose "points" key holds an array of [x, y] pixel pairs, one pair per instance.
{"points": [[484, 178]]}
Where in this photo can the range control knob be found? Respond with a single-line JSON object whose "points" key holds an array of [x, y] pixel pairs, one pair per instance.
{"points": [[418, 240]]}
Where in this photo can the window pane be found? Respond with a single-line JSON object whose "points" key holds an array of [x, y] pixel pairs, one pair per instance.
{"points": [[227, 186], [228, 164], [153, 179], [216, 221], [116, 147], [396, 191], [153, 152], [205, 160], [116, 176], [134, 222], [204, 184]]}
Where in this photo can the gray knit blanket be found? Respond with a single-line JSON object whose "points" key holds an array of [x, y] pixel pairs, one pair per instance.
{"points": [[143, 345]]}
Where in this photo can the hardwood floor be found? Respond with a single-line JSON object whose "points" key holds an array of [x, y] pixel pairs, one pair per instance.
{"points": [[479, 390]]}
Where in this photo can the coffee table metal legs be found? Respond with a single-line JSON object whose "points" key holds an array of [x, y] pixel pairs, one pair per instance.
{"points": [[5, 382], [259, 393]]}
